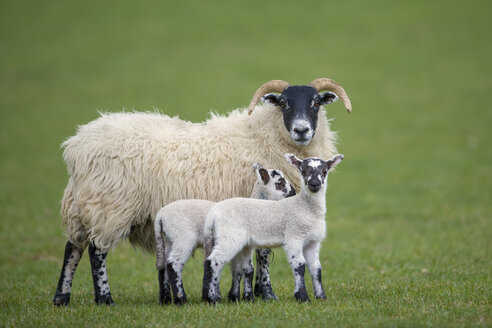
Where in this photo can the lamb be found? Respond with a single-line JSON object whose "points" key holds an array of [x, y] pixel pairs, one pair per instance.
{"points": [[123, 167], [236, 225], [179, 230]]}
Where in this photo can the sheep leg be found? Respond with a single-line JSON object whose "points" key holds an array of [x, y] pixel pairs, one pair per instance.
{"points": [[164, 287], [211, 280], [224, 250], [162, 252], [311, 253], [175, 270], [71, 259], [179, 253], [237, 274], [100, 276], [241, 265], [298, 265], [263, 285], [248, 271]]}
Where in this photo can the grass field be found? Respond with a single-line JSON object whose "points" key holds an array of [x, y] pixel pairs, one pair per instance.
{"points": [[409, 210]]}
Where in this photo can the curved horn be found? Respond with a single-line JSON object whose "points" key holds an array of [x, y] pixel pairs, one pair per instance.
{"points": [[330, 85], [270, 86]]}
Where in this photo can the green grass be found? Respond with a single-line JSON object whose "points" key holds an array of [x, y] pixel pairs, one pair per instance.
{"points": [[409, 211]]}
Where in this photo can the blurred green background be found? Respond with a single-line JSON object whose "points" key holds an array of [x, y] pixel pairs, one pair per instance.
{"points": [[409, 211]]}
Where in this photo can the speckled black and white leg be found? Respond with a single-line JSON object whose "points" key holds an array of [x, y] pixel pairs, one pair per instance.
{"points": [[164, 287], [237, 274], [179, 253], [175, 270], [100, 276], [211, 281], [263, 285], [298, 265], [222, 252], [248, 272], [70, 261], [311, 253]]}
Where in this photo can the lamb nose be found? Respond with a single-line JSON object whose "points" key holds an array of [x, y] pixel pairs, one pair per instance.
{"points": [[301, 130]]}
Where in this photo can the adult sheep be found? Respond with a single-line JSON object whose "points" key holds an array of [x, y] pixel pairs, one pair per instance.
{"points": [[124, 167]]}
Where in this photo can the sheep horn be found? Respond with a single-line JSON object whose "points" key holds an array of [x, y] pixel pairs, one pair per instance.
{"points": [[330, 85], [270, 86]]}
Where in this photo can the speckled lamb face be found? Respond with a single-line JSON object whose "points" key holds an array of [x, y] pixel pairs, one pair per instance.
{"points": [[314, 171], [274, 185]]}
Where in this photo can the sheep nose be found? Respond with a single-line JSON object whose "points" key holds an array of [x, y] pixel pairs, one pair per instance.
{"points": [[301, 131], [314, 185]]}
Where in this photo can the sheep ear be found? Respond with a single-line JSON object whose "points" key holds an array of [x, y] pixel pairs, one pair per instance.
{"points": [[261, 173], [292, 159], [327, 98], [334, 161], [271, 98], [265, 177]]}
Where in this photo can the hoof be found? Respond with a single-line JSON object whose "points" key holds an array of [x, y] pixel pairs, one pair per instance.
{"points": [[105, 300], [165, 299], [321, 297], [61, 299], [212, 300], [249, 297], [180, 300], [302, 297], [233, 297], [269, 295]]}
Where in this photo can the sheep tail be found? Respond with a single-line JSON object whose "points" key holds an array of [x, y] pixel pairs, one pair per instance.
{"points": [[159, 244]]}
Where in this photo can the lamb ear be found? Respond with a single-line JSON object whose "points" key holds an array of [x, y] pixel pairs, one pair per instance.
{"points": [[265, 177], [261, 173], [334, 161], [292, 159]]}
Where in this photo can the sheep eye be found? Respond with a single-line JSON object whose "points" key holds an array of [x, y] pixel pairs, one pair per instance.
{"points": [[317, 103]]}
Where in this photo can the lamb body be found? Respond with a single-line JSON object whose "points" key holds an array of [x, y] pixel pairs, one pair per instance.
{"points": [[124, 167], [297, 223]]}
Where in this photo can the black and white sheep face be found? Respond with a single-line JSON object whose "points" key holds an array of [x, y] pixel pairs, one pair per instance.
{"points": [[300, 106], [314, 171]]}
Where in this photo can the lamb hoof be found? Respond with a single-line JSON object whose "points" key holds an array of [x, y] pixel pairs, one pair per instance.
{"points": [[61, 299], [302, 297], [233, 297], [269, 295], [212, 300], [180, 300], [105, 300], [165, 299], [249, 297]]}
